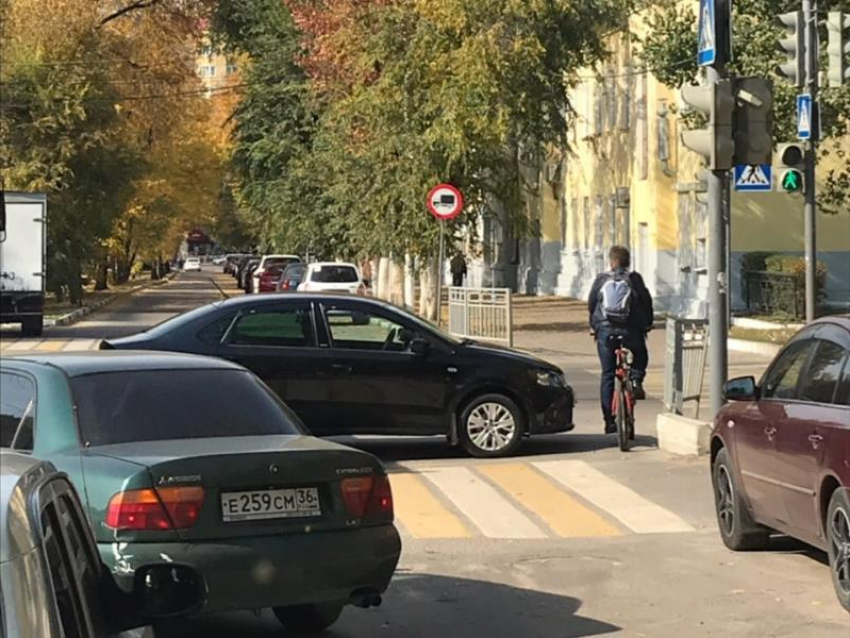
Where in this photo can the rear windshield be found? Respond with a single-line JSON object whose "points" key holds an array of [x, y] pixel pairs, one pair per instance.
{"points": [[335, 275], [160, 405], [280, 261]]}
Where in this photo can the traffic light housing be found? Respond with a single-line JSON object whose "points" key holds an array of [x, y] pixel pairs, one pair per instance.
{"points": [[753, 119], [837, 25], [716, 103], [791, 163], [794, 47]]}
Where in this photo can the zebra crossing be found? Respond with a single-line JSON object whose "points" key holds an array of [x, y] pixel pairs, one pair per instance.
{"points": [[523, 501], [18, 346]]}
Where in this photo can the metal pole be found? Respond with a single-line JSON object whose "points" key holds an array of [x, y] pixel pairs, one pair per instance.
{"points": [[440, 258], [718, 183], [727, 224], [810, 209]]}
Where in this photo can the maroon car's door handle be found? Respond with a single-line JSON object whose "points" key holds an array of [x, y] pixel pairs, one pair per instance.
{"points": [[815, 440], [770, 431]]}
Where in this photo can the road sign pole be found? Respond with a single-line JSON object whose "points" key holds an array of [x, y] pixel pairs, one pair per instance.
{"points": [[718, 183], [810, 209], [441, 256]]}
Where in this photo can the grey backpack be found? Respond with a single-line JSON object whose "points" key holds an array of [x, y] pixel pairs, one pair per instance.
{"points": [[615, 298]]}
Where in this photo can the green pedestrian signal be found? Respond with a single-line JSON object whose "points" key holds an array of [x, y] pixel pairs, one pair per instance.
{"points": [[792, 181]]}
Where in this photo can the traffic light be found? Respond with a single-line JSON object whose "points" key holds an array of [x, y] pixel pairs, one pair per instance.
{"points": [[753, 131], [837, 24], [715, 143], [791, 161], [793, 45]]}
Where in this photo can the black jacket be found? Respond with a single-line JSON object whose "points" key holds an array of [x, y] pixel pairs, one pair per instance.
{"points": [[642, 315]]}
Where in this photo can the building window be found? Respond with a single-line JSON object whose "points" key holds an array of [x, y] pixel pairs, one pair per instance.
{"points": [[586, 224], [701, 235], [598, 110], [626, 102], [642, 132], [206, 71], [611, 100]]}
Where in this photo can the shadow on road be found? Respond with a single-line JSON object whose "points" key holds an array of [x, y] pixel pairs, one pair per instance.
{"points": [[395, 449], [427, 606]]}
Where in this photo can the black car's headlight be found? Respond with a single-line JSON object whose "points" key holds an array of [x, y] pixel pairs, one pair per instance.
{"points": [[551, 379]]}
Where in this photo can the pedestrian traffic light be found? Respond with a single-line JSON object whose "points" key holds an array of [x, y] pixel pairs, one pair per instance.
{"points": [[791, 161], [837, 24], [715, 143], [753, 121], [794, 47]]}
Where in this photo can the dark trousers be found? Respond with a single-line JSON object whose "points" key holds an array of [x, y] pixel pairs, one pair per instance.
{"points": [[634, 341], [457, 279]]}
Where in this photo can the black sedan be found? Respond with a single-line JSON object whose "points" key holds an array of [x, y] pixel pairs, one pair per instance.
{"points": [[352, 365]]}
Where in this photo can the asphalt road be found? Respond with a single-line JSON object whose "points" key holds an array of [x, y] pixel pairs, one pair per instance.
{"points": [[571, 538]]}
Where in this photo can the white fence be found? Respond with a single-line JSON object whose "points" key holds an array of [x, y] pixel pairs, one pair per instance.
{"points": [[481, 313]]}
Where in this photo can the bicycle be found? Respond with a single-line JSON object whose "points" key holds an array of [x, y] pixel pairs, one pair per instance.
{"points": [[623, 403]]}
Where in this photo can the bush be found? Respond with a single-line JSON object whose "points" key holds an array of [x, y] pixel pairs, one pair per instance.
{"points": [[755, 261]]}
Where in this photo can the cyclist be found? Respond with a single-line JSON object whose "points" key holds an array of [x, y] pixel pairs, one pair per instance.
{"points": [[620, 304]]}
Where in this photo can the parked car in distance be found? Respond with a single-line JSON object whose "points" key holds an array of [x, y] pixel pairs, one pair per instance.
{"points": [[194, 459], [53, 581], [230, 262], [239, 266], [291, 278], [326, 276], [780, 450], [354, 365], [267, 261], [247, 272], [192, 264], [269, 279]]}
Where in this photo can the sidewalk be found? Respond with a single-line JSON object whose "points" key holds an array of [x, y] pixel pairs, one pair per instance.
{"points": [[556, 329]]}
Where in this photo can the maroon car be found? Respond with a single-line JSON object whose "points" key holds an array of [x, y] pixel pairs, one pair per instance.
{"points": [[780, 451]]}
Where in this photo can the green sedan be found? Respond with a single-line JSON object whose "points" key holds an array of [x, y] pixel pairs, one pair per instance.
{"points": [[194, 461]]}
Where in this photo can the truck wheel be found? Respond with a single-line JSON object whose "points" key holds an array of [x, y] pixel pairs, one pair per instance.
{"points": [[32, 326]]}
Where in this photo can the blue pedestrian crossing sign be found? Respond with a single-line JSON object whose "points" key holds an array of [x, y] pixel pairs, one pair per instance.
{"points": [[756, 178], [707, 48], [804, 116]]}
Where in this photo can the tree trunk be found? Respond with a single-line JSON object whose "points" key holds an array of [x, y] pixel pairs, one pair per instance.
{"points": [[409, 282], [383, 278], [427, 283], [396, 283], [100, 280]]}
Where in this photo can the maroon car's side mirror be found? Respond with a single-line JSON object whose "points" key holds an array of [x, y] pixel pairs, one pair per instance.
{"points": [[741, 389]]}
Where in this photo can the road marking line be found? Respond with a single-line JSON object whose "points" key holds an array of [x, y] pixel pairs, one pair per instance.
{"points": [[52, 345], [422, 515], [479, 501], [6, 344], [634, 511], [564, 514], [76, 345], [22, 345]]}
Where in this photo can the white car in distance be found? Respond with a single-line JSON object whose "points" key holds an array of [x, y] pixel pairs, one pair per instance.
{"points": [[327, 276], [268, 261], [192, 264]]}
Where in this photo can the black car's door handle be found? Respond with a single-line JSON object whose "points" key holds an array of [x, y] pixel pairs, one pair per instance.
{"points": [[340, 367]]}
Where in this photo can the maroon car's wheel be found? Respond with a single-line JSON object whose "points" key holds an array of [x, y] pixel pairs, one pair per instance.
{"points": [[737, 528], [838, 535], [308, 618]]}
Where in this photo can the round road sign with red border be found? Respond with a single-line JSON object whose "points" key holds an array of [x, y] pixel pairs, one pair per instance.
{"points": [[445, 201]]}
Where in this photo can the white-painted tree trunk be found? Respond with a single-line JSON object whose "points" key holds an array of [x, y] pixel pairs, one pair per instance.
{"points": [[396, 283], [409, 282], [383, 278]]}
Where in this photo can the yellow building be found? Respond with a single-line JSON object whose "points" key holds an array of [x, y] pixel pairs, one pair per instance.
{"points": [[216, 71], [628, 180]]}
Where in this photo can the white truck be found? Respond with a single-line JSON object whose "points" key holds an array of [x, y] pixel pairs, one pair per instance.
{"points": [[23, 257]]}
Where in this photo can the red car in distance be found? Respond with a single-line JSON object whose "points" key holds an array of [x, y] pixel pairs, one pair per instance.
{"points": [[780, 450], [270, 277]]}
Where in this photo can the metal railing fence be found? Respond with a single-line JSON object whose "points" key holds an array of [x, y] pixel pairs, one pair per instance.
{"points": [[481, 313]]}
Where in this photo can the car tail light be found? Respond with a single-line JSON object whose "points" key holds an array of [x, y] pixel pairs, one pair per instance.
{"points": [[285, 285], [165, 508], [368, 496]]}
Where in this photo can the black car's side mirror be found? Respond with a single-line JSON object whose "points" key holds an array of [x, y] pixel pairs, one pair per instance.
{"points": [[420, 347], [741, 389], [167, 590]]}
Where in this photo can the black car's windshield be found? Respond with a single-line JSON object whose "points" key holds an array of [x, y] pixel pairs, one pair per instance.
{"points": [[159, 405]]}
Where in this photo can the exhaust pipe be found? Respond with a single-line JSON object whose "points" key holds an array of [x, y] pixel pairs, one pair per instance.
{"points": [[365, 598]]}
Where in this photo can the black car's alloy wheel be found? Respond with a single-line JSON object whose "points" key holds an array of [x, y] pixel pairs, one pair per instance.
{"points": [[838, 536], [308, 618], [737, 528], [491, 425]]}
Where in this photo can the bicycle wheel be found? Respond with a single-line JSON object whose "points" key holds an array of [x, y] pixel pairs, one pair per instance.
{"points": [[630, 412], [621, 416]]}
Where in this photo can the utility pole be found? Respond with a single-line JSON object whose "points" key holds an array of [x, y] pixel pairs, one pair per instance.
{"points": [[810, 18]]}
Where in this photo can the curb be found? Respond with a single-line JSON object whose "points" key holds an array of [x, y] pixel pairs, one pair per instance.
{"points": [[75, 315], [754, 347]]}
